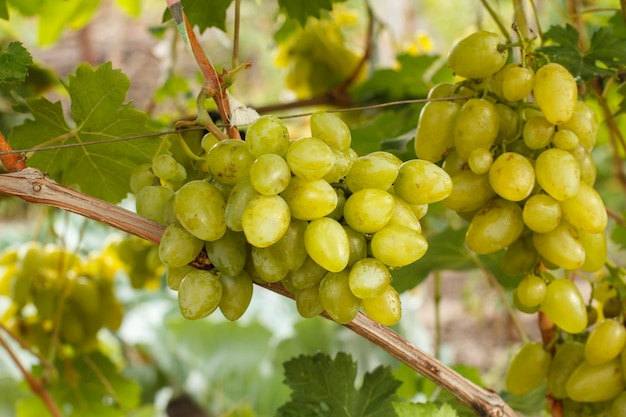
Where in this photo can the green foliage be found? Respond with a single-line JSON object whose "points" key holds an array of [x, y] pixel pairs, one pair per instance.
{"points": [[205, 14], [619, 236], [323, 386], [14, 63], [4, 11], [90, 386], [98, 113], [301, 10], [423, 410], [604, 56]]}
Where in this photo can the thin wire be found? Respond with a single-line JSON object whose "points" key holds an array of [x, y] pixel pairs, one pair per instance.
{"points": [[167, 132]]}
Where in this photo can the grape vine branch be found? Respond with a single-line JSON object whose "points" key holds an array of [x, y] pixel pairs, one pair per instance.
{"points": [[35, 187]]}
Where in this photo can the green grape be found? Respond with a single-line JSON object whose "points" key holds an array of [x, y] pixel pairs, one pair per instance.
{"points": [[497, 225], [479, 55], [528, 368], [337, 212], [558, 173], [565, 139], [612, 307], [142, 176], [603, 291], [434, 137], [520, 257], [342, 163], [606, 341], [564, 306], [368, 210], [310, 158], [371, 172], [595, 248], [358, 245], [531, 290], [509, 123], [384, 308], [541, 213], [84, 295], [228, 253], [308, 301], [420, 210], [585, 210], [270, 174], [265, 220], [512, 176], [404, 215], [199, 208], [269, 264], [291, 245], [596, 383], [330, 129], [397, 246], [30, 256], [174, 275], [310, 199], [151, 201], [169, 211], [495, 81], [584, 124], [369, 278], [538, 132], [521, 307], [308, 275], [337, 299], [178, 247], [565, 361], [470, 192], [46, 300], [517, 83], [588, 170], [207, 141], [441, 90], [72, 329], [476, 126], [556, 92], [268, 134], [561, 246], [453, 163], [236, 294], [164, 166], [480, 160], [229, 161], [199, 294], [236, 203], [618, 408], [327, 243], [422, 182]]}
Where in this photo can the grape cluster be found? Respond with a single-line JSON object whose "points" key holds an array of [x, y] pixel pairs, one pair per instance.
{"points": [[516, 142], [58, 295], [309, 213]]}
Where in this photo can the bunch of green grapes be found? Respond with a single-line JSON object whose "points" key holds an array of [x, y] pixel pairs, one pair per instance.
{"points": [[138, 258], [57, 296], [309, 213], [516, 142]]}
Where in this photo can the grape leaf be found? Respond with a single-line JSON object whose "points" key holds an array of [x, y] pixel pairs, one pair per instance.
{"points": [[14, 63], [423, 410], [204, 14], [605, 55], [301, 10], [57, 15], [4, 11], [26, 7], [325, 387], [619, 236], [99, 113]]}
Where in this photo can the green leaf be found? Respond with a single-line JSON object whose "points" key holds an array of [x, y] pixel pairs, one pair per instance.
{"points": [[325, 387], [618, 235], [57, 15], [423, 410], [605, 55], [204, 14], [4, 11], [27, 7], [98, 113], [132, 7], [14, 63], [301, 10]]}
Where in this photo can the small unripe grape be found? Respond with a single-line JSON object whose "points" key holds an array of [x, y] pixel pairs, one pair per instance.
{"points": [[509, 123], [476, 126], [512, 176], [517, 83], [330, 129], [480, 160], [199, 294], [369, 278], [422, 182], [531, 290], [541, 213], [310, 158], [479, 55], [337, 299], [164, 166], [556, 92], [584, 124], [268, 134], [308, 301], [236, 294], [178, 247], [270, 174], [565, 139], [229, 161], [141, 177], [538, 132]]}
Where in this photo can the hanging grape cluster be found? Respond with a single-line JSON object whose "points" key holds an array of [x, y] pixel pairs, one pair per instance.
{"points": [[58, 297], [516, 142], [308, 213]]}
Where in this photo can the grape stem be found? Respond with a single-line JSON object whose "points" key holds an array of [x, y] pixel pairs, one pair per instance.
{"points": [[35, 187], [497, 20]]}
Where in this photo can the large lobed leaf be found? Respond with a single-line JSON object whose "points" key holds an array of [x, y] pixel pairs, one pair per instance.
{"points": [[325, 387], [98, 113]]}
